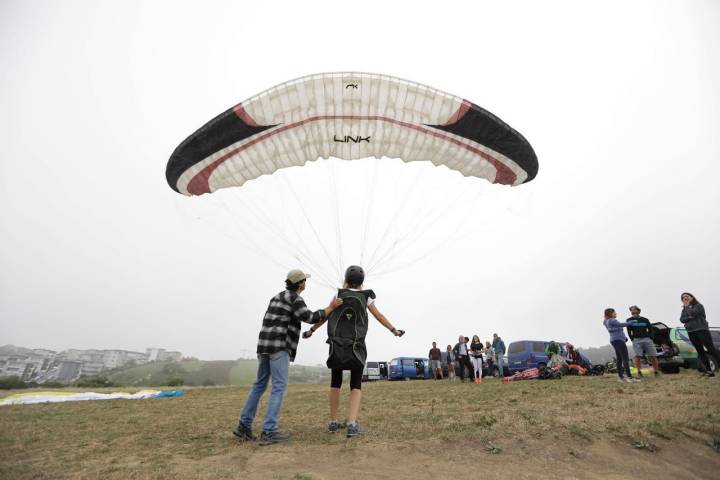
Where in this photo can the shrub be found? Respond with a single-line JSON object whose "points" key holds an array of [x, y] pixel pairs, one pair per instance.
{"points": [[98, 381], [176, 382], [9, 383]]}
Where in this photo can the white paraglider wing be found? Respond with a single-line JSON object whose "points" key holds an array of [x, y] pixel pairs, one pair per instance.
{"points": [[348, 116]]}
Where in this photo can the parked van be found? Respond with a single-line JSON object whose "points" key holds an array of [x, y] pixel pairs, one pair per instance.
{"points": [[371, 371], [409, 368], [526, 354]]}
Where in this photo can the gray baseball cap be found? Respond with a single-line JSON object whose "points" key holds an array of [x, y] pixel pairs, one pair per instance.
{"points": [[297, 276]]}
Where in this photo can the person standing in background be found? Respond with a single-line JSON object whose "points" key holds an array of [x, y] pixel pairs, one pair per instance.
{"points": [[476, 359], [641, 338], [693, 317], [435, 356], [617, 340], [462, 355], [450, 359], [490, 358], [499, 347]]}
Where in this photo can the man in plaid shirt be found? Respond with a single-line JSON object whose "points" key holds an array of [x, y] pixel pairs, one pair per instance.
{"points": [[277, 345]]}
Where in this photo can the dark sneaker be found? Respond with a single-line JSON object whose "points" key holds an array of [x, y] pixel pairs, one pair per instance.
{"points": [[332, 427], [244, 433], [709, 374], [657, 374], [354, 429], [268, 438]]}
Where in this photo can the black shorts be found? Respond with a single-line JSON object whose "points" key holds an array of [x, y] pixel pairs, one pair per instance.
{"points": [[355, 378]]}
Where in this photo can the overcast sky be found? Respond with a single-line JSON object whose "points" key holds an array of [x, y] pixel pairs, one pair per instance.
{"points": [[620, 101]]}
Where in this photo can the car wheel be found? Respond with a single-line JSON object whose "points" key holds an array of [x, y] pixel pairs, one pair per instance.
{"points": [[713, 366]]}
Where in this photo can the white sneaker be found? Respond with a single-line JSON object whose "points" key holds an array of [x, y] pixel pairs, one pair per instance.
{"points": [[635, 380], [621, 380], [628, 380]]}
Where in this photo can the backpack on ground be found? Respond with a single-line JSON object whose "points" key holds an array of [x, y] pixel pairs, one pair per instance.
{"points": [[546, 373], [347, 327]]}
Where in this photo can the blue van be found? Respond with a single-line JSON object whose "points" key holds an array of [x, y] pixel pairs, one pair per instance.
{"points": [[406, 368], [526, 354]]}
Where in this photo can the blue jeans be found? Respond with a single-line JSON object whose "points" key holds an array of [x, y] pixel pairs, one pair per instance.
{"points": [[500, 361], [273, 366]]}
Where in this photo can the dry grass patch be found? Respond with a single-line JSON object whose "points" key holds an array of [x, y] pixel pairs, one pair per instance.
{"points": [[189, 437]]}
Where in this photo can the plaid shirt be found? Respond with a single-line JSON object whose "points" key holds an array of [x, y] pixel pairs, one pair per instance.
{"points": [[281, 324]]}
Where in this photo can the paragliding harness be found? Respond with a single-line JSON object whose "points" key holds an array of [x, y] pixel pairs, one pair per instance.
{"points": [[596, 370], [548, 373], [347, 328]]}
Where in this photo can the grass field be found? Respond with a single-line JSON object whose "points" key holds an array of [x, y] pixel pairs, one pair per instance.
{"points": [[576, 427]]}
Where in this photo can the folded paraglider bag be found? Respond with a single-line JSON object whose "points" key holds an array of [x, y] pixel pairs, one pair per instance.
{"points": [[595, 370], [573, 369], [549, 374], [346, 354]]}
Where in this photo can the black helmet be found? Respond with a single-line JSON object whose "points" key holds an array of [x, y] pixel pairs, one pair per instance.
{"points": [[354, 275]]}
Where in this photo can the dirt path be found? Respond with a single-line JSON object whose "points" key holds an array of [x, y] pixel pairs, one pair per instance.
{"points": [[364, 459]]}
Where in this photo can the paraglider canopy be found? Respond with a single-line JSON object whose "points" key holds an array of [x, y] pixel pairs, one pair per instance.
{"points": [[348, 116]]}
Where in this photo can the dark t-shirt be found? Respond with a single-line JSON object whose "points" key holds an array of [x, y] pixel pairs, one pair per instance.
{"points": [[435, 354], [476, 349], [640, 330]]}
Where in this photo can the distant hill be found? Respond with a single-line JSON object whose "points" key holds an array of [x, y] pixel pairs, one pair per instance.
{"points": [[13, 350], [599, 355], [199, 373]]}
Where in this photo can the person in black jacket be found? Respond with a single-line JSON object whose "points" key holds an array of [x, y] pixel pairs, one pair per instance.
{"points": [[462, 353], [693, 317]]}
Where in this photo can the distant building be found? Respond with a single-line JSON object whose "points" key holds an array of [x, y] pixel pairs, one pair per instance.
{"points": [[91, 368], [137, 357], [43, 352], [119, 358], [68, 371], [43, 365], [14, 365], [33, 367], [153, 354], [114, 358]]}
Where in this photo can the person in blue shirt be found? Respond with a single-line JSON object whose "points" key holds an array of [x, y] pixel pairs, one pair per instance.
{"points": [[499, 346], [617, 340]]}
